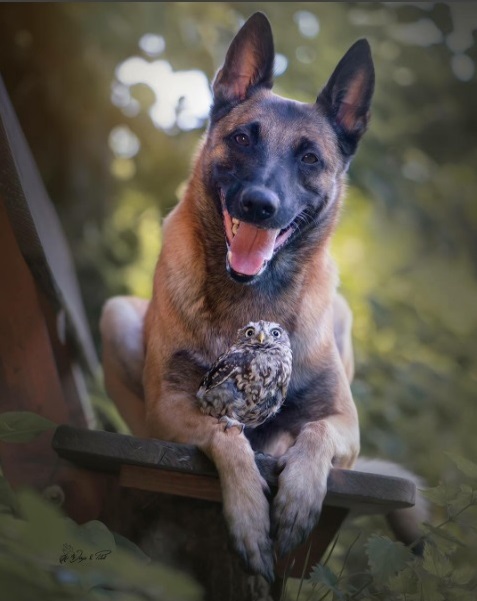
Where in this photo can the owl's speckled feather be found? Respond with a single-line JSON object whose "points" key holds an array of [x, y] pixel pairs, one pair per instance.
{"points": [[249, 382]]}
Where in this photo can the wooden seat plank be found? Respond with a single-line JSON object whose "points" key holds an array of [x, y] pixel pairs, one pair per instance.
{"points": [[106, 451]]}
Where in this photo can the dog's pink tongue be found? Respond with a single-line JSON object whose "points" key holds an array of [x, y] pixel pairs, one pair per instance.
{"points": [[250, 248]]}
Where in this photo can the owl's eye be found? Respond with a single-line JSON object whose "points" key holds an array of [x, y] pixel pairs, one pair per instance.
{"points": [[249, 332], [276, 333]]}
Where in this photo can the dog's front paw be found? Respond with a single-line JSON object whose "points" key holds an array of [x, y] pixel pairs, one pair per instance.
{"points": [[246, 510], [298, 502]]}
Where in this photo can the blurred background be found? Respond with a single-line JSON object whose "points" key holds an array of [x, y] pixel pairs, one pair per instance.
{"points": [[113, 98]]}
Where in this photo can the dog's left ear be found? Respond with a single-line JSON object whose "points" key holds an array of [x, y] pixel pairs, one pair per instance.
{"points": [[248, 64], [346, 97]]}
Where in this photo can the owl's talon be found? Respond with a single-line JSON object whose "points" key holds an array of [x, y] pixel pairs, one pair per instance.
{"points": [[231, 423]]}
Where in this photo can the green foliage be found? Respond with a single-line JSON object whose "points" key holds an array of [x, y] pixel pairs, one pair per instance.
{"points": [[328, 581], [394, 573], [23, 426], [45, 555], [386, 557]]}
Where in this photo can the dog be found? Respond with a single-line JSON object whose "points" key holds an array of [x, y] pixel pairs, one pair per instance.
{"points": [[250, 241]]}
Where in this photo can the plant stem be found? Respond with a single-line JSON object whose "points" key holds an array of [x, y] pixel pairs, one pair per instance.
{"points": [[360, 590], [331, 549], [347, 556]]}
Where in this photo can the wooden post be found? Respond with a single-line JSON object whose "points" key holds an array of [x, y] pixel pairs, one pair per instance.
{"points": [[29, 381]]}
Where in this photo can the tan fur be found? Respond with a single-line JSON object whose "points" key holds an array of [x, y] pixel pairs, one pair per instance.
{"points": [[122, 334], [196, 310], [179, 316]]}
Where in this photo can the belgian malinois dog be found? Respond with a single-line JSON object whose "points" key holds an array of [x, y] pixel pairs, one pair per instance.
{"points": [[250, 241]]}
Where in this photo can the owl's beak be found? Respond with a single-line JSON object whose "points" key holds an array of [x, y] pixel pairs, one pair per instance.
{"points": [[261, 337]]}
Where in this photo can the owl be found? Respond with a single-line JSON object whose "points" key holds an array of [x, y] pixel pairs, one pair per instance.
{"points": [[249, 382]]}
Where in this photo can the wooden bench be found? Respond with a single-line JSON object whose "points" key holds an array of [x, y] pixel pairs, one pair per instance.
{"points": [[129, 483]]}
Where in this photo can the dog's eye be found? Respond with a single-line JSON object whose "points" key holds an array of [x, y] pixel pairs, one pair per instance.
{"points": [[249, 332], [242, 140], [276, 333], [309, 158]]}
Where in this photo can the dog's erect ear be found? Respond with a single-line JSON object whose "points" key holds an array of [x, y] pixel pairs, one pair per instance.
{"points": [[346, 97], [248, 64]]}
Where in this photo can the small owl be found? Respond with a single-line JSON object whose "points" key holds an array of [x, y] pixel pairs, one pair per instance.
{"points": [[249, 382]]}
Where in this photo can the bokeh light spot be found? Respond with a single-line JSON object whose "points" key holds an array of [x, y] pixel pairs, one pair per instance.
{"points": [[463, 67], [182, 98], [308, 23], [124, 142], [152, 44], [281, 64]]}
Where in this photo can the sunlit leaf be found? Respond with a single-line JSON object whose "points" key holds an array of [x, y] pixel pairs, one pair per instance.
{"points": [[440, 495], [22, 426], [8, 499], [125, 544], [464, 465], [444, 534], [435, 562], [98, 535], [404, 582]]}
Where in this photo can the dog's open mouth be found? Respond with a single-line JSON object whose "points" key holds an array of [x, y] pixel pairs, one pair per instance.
{"points": [[250, 248]]}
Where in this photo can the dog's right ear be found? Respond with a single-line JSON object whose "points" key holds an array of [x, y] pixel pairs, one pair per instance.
{"points": [[248, 64], [346, 97]]}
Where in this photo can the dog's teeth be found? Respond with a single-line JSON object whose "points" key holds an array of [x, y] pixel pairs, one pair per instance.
{"points": [[235, 225]]}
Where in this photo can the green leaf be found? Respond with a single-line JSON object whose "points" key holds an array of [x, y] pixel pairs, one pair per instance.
{"points": [[386, 557], [31, 566], [8, 499], [440, 495], [126, 545], [404, 582], [429, 586], [45, 529], [435, 562], [430, 592], [22, 426], [458, 594], [24, 579], [442, 533], [463, 575], [322, 574], [464, 465], [98, 535]]}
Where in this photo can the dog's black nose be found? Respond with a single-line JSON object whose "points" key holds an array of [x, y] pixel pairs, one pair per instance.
{"points": [[258, 204]]}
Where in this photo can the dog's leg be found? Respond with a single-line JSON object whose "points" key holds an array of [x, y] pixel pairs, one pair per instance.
{"points": [[320, 445], [176, 416], [122, 327]]}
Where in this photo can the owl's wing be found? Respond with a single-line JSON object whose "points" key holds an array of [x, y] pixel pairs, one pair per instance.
{"points": [[224, 368]]}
